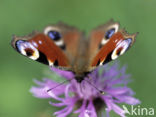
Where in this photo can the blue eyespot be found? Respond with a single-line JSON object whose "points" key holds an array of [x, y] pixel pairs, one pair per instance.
{"points": [[54, 35], [18, 44], [129, 40], [109, 33]]}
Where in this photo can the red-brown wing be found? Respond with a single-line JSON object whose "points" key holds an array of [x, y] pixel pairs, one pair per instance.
{"points": [[107, 42], [70, 38], [56, 46]]}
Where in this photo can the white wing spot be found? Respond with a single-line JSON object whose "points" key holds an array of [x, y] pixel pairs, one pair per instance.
{"points": [[59, 43], [123, 45], [50, 28]]}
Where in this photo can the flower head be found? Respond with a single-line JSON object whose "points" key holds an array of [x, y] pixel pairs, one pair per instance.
{"points": [[84, 98]]}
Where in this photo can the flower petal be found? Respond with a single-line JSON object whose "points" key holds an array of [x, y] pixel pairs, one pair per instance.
{"points": [[118, 110], [39, 92], [112, 81], [90, 110], [57, 104], [50, 93], [119, 91], [82, 108], [66, 74], [129, 100]]}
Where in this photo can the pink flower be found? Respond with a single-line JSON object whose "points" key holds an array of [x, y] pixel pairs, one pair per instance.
{"points": [[87, 100]]}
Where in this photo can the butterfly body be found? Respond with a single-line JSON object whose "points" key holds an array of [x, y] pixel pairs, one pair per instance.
{"points": [[67, 48]]}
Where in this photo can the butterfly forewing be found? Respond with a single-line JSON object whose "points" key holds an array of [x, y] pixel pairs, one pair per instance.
{"points": [[65, 47], [107, 43], [52, 47]]}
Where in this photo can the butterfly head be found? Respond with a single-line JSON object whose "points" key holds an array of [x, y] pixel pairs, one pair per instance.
{"points": [[80, 77]]}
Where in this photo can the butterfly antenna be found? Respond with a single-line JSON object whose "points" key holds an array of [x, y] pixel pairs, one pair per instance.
{"points": [[102, 92], [59, 84]]}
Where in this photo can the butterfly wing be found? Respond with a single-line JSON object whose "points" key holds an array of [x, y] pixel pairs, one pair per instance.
{"points": [[108, 42], [55, 46]]}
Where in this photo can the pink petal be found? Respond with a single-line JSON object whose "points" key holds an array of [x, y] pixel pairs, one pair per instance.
{"points": [[39, 92], [65, 74], [118, 110], [90, 110], [118, 90], [57, 104], [129, 100]]}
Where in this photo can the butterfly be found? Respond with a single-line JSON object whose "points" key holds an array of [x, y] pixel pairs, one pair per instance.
{"points": [[67, 48]]}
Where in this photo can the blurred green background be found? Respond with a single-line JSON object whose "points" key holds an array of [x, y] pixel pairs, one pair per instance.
{"points": [[21, 17]]}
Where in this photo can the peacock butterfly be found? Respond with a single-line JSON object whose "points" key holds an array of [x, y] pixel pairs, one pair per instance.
{"points": [[67, 48]]}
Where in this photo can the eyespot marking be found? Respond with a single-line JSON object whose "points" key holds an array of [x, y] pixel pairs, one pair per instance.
{"points": [[103, 42], [19, 47], [27, 49], [118, 52], [29, 52], [127, 45], [109, 33], [59, 43], [112, 29], [54, 35], [121, 48]]}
